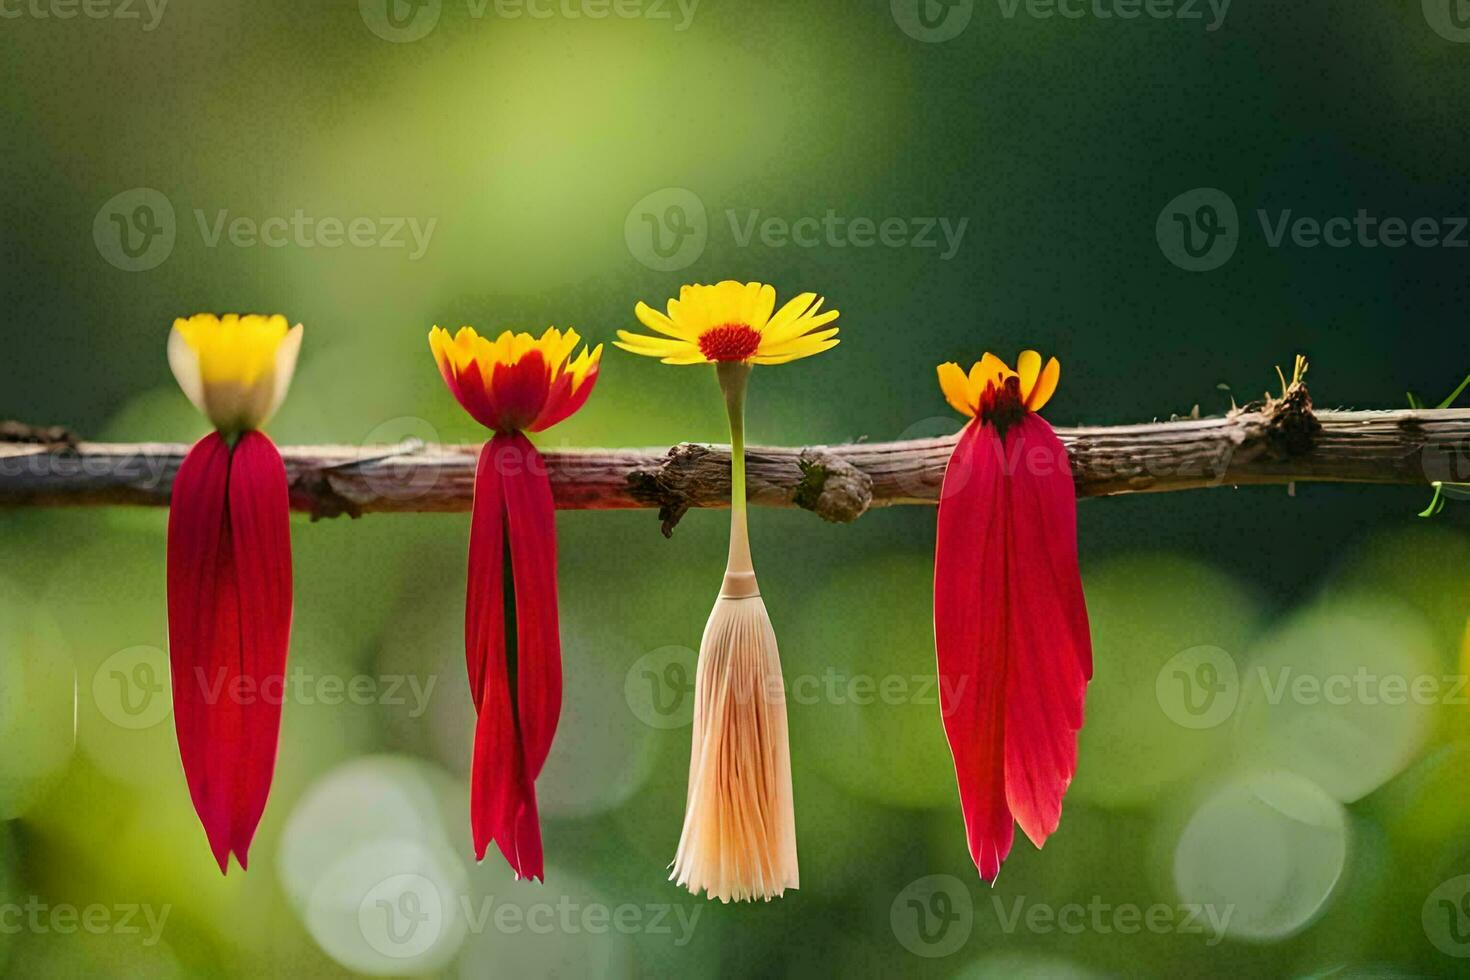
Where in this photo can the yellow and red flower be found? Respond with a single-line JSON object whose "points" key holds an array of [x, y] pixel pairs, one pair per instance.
{"points": [[1010, 620], [516, 382], [229, 570], [512, 643], [732, 322]]}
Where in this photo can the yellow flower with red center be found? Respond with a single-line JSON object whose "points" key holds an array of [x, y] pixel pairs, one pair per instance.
{"points": [[733, 322], [516, 382], [966, 392]]}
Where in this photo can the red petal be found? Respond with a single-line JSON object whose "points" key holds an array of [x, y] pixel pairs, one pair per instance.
{"points": [[259, 509], [203, 633], [1011, 630], [563, 402], [1051, 649], [484, 613], [473, 395], [520, 391], [512, 525], [969, 621], [495, 779], [531, 520], [228, 552]]}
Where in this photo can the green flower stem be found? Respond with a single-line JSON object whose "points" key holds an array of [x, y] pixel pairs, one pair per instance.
{"points": [[733, 377]]}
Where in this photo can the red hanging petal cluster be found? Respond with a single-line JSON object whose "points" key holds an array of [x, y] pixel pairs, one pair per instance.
{"points": [[229, 625], [1010, 624], [512, 647]]}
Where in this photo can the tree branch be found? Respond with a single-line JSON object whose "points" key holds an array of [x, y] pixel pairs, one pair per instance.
{"points": [[1282, 441]]}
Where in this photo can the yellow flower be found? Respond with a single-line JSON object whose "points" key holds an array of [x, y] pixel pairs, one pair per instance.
{"points": [[732, 322], [235, 369], [516, 381], [969, 393]]}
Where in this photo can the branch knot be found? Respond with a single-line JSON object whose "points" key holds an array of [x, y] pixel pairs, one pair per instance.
{"points": [[832, 488]]}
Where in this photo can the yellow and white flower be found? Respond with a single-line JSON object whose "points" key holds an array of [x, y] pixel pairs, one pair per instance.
{"points": [[235, 369]]}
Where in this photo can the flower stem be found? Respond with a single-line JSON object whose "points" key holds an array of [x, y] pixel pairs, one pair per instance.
{"points": [[733, 377]]}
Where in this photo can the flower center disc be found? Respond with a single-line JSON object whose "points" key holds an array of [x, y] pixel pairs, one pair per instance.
{"points": [[1002, 407], [729, 342]]}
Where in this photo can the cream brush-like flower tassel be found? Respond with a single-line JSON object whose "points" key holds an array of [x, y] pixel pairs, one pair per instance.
{"points": [[739, 838]]}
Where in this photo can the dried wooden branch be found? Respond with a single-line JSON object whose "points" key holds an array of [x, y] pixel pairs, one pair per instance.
{"points": [[1282, 441]]}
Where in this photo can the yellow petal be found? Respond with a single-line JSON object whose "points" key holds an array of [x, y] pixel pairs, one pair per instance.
{"points": [[789, 313], [765, 303], [644, 344], [956, 388], [1046, 386], [1028, 366], [656, 321], [183, 360], [284, 370]]}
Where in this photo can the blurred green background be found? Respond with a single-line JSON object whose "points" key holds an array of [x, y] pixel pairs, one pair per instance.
{"points": [[557, 168]]}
